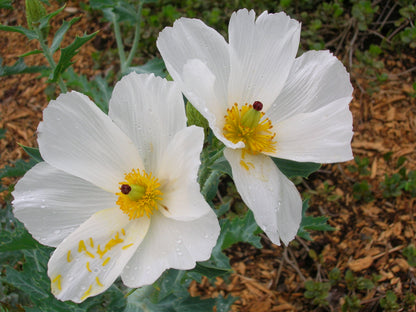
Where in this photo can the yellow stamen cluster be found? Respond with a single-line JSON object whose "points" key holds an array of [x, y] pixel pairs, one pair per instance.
{"points": [[241, 125], [147, 202]]}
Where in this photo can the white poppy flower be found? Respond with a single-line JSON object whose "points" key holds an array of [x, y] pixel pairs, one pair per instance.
{"points": [[260, 101], [117, 194]]}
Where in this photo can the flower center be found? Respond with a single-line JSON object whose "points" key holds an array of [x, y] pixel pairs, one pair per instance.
{"points": [[139, 194], [246, 125]]}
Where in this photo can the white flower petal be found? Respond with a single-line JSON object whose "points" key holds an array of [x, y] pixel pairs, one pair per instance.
{"points": [[316, 79], [191, 39], [198, 87], [150, 110], [273, 198], [262, 52], [52, 203], [178, 173], [171, 244], [322, 136], [78, 138], [82, 266]]}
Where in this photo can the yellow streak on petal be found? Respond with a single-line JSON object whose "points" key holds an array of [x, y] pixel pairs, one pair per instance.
{"points": [[127, 246], [106, 261], [87, 293], [68, 256], [98, 282], [91, 242], [88, 266]]}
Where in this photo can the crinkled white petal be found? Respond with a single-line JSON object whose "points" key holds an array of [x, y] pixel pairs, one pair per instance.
{"points": [[191, 39], [316, 79], [150, 110], [78, 138], [262, 52], [273, 198], [52, 203], [82, 266], [198, 87], [178, 173], [171, 244], [322, 136]]}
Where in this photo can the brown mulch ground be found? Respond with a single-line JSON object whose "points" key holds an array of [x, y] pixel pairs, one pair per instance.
{"points": [[369, 237]]}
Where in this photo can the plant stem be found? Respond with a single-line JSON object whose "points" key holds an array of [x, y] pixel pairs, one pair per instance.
{"points": [[119, 42], [49, 58], [136, 36]]}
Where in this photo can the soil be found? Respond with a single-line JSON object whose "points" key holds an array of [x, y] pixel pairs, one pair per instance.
{"points": [[369, 238]]}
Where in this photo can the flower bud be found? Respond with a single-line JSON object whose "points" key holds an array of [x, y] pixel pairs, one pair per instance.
{"points": [[34, 12]]}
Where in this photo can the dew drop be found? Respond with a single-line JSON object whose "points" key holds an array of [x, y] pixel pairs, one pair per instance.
{"points": [[179, 241], [56, 231]]}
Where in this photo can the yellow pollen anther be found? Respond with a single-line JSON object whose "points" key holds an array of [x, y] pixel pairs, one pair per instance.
{"points": [[87, 293], [127, 246], [57, 281], [89, 254], [100, 252], [68, 256], [113, 242], [246, 165], [98, 282], [139, 194], [91, 242], [88, 266], [246, 125], [106, 261], [81, 246], [123, 232]]}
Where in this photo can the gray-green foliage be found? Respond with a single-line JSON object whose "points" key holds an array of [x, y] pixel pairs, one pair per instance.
{"points": [[345, 23], [317, 292]]}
